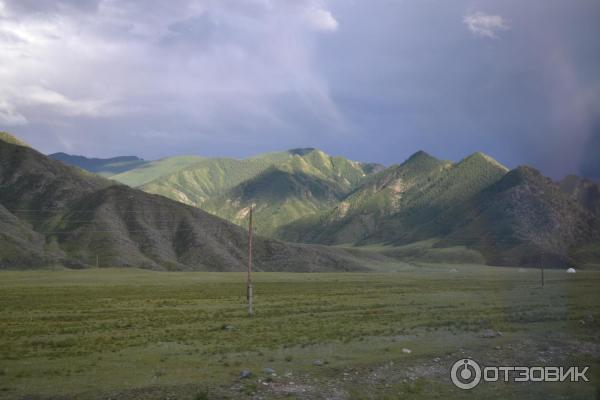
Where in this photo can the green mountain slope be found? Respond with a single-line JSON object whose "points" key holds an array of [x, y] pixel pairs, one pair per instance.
{"points": [[284, 186], [52, 213], [101, 166], [8, 138], [451, 187], [424, 209], [391, 204], [151, 170], [279, 194], [19, 244], [474, 208], [198, 182], [129, 170], [523, 219], [226, 187], [347, 173], [31, 181]]}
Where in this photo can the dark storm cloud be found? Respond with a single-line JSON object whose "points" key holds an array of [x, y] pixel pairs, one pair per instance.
{"points": [[590, 166], [521, 92], [373, 80]]}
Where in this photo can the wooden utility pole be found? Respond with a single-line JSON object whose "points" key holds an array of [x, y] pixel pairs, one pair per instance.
{"points": [[249, 293]]}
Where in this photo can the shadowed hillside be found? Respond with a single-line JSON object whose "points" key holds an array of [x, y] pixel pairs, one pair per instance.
{"points": [[586, 192], [304, 185], [280, 184], [393, 203], [523, 219], [425, 209], [508, 218], [52, 213]]}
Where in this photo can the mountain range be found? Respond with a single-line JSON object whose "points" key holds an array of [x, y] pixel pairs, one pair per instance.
{"points": [[55, 214], [283, 186], [425, 209]]}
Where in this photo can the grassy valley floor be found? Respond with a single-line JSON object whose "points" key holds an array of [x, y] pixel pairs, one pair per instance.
{"points": [[133, 334]]}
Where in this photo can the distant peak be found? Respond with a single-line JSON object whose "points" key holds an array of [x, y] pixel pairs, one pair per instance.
{"points": [[420, 154], [8, 138], [479, 156], [524, 174], [302, 151], [420, 157]]}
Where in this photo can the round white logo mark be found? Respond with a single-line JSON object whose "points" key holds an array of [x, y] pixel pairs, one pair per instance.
{"points": [[465, 374]]}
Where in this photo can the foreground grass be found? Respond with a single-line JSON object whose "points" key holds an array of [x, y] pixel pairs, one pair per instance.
{"points": [[139, 334]]}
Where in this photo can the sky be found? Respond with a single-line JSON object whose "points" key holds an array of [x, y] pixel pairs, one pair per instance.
{"points": [[371, 80]]}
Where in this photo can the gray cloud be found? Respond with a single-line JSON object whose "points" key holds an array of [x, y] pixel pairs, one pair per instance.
{"points": [[205, 63], [9, 116], [371, 80]]}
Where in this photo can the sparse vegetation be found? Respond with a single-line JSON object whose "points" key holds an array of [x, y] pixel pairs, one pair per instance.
{"points": [[54, 214], [120, 331], [7, 137], [285, 186], [151, 170], [473, 211]]}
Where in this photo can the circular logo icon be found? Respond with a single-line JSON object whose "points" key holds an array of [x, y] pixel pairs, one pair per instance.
{"points": [[465, 374]]}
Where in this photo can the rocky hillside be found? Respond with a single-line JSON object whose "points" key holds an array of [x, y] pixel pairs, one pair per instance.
{"points": [[51, 213], [393, 205], [514, 217], [523, 219], [301, 186], [474, 210], [584, 191], [284, 186]]}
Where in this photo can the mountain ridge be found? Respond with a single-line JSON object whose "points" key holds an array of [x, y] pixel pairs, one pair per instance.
{"points": [[217, 185], [304, 195], [397, 199], [52, 213], [533, 221], [101, 166]]}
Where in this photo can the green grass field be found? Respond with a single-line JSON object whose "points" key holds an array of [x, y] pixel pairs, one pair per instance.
{"points": [[124, 334]]}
